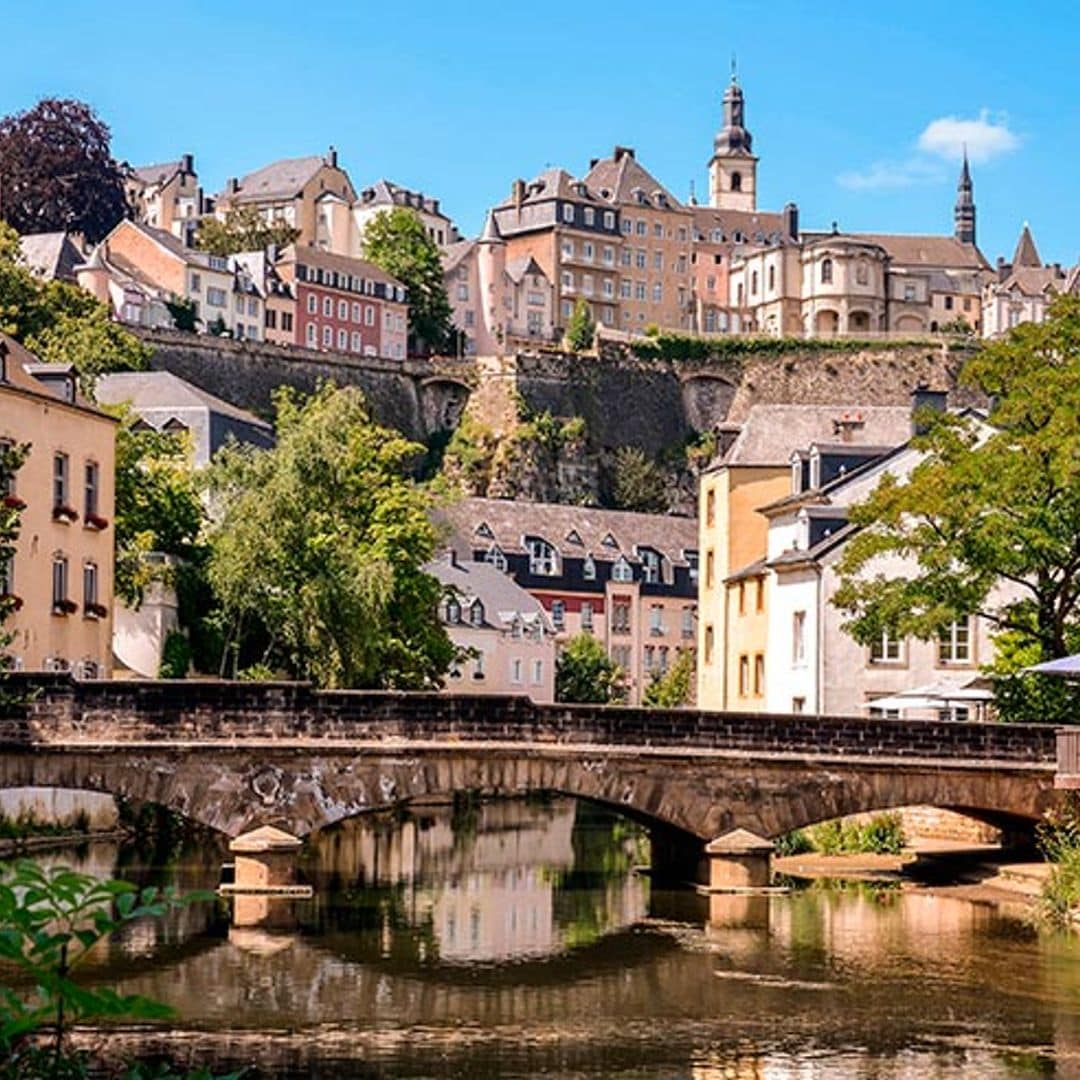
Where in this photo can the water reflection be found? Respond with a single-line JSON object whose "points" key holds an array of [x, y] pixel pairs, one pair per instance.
{"points": [[514, 939]]}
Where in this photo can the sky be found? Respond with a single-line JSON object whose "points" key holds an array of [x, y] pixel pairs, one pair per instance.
{"points": [[858, 111]]}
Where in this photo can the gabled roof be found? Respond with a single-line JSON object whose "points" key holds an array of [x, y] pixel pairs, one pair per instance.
{"points": [[517, 269], [282, 179], [510, 522], [551, 184], [51, 255], [156, 174], [795, 557], [1026, 254], [343, 264], [501, 596], [164, 390], [929, 251], [620, 175], [1034, 280], [756, 226], [454, 254], [387, 193], [20, 368]]}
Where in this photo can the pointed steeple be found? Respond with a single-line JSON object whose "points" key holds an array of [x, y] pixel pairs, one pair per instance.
{"points": [[733, 167], [491, 234], [1026, 254], [964, 210], [733, 136]]}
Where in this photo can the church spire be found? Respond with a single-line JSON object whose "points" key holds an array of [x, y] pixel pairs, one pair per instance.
{"points": [[733, 167], [964, 210]]}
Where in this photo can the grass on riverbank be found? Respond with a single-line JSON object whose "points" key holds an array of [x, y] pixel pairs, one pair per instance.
{"points": [[882, 834], [1059, 841], [26, 825]]}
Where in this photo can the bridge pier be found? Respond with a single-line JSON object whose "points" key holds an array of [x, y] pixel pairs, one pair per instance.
{"points": [[266, 861], [739, 861]]}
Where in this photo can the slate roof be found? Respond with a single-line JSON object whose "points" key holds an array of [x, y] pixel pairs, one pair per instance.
{"points": [[164, 390], [620, 174], [454, 254], [51, 255], [1026, 254], [797, 557], [1034, 280], [928, 251], [498, 592], [20, 367], [575, 531], [550, 184], [516, 269], [758, 226], [343, 264], [279, 180], [387, 193], [156, 174], [770, 434]]}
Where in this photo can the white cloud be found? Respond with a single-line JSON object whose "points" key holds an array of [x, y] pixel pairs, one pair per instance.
{"points": [[892, 174], [984, 137]]}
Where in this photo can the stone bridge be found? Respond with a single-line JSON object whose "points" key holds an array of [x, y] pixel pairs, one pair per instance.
{"points": [[236, 756]]}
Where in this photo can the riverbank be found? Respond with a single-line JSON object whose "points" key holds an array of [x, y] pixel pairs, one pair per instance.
{"points": [[25, 845]]}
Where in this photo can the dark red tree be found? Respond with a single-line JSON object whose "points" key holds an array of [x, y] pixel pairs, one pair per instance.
{"points": [[57, 172]]}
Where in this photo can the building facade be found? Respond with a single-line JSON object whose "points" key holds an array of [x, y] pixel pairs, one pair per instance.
{"points": [[628, 579], [166, 196], [61, 575], [383, 196]]}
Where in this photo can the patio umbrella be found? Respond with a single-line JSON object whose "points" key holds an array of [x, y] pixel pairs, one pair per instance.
{"points": [[1068, 667]]}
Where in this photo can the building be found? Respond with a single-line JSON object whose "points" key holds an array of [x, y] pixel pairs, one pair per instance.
{"points": [[139, 271], [166, 196], [62, 571], [165, 402], [733, 167], [52, 256], [496, 303], [384, 195], [289, 191], [629, 579], [812, 664], [343, 304], [506, 635], [277, 294], [753, 467], [1023, 290]]}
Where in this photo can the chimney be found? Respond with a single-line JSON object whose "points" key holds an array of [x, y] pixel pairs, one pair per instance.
{"points": [[1003, 268], [232, 185], [623, 151], [922, 400], [791, 221], [517, 192], [187, 164], [331, 158], [593, 162]]}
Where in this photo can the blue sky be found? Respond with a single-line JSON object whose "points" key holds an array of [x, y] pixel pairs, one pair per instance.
{"points": [[857, 110]]}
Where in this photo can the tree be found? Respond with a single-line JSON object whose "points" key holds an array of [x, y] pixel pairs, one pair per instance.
{"points": [[638, 483], [580, 329], [185, 314], [320, 549], [585, 673], [985, 509], [673, 689], [243, 229], [397, 242], [158, 504], [57, 172]]}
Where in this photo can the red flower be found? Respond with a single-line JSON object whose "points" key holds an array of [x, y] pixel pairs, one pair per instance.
{"points": [[65, 513], [65, 607], [96, 611], [96, 521], [13, 502], [16, 602]]}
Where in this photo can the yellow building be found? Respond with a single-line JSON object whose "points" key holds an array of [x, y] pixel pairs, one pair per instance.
{"points": [[62, 571], [754, 468]]}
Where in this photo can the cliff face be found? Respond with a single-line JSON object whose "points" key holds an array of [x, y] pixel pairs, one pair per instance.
{"points": [[555, 427]]}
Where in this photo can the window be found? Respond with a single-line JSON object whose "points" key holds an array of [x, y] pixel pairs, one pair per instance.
{"points": [[650, 566], [744, 676], [862, 273], [709, 568], [567, 212], [642, 228], [328, 336], [558, 614], [753, 283], [627, 226], [586, 615], [954, 643], [239, 304], [476, 613], [736, 181], [622, 571], [271, 319], [312, 334], [910, 292], [515, 670], [885, 649], [798, 637], [627, 257], [657, 292], [286, 320], [759, 675], [772, 278], [641, 258], [196, 283], [588, 568], [625, 288], [742, 597], [609, 219], [343, 309], [620, 617], [948, 303], [215, 297], [543, 558], [710, 507], [688, 622], [343, 339], [496, 558], [826, 271], [453, 611], [478, 666], [621, 655], [656, 620], [312, 304], [568, 249], [356, 313], [798, 704], [587, 251], [90, 587], [658, 229], [60, 480], [658, 260], [609, 256], [91, 490], [640, 292], [59, 583], [356, 343], [759, 599], [537, 672], [609, 288]]}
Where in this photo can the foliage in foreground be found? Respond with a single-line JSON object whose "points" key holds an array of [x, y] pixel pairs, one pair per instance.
{"points": [[882, 834], [674, 688], [585, 674], [1059, 840], [50, 922]]}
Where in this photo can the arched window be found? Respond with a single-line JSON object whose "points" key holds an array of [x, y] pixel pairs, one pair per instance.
{"points": [[826, 271], [543, 558], [736, 181], [753, 283], [476, 613]]}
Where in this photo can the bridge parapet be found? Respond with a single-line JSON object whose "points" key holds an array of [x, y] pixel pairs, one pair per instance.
{"points": [[66, 711]]}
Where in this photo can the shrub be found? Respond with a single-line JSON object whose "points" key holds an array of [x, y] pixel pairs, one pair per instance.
{"points": [[883, 834], [1059, 841], [793, 843], [175, 656]]}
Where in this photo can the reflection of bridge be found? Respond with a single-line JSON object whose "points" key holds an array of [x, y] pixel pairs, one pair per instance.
{"points": [[235, 756]]}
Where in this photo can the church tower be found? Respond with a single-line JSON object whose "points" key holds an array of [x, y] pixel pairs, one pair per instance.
{"points": [[964, 211], [733, 167]]}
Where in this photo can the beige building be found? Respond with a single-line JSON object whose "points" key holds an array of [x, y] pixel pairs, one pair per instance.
{"points": [[384, 195], [295, 191], [166, 196], [62, 571], [509, 644]]}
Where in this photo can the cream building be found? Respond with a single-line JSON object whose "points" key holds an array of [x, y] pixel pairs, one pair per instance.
{"points": [[62, 571], [166, 196], [509, 640], [384, 195]]}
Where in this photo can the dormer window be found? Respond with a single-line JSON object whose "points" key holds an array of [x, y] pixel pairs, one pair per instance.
{"points": [[622, 571], [796, 474], [543, 558], [453, 611], [651, 562], [588, 568], [815, 469], [691, 558], [610, 541], [476, 613], [496, 558]]}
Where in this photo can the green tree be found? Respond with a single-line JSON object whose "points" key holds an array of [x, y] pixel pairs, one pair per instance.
{"points": [[321, 545], [397, 241], [585, 673], [638, 483], [674, 688], [985, 507], [58, 171], [158, 505], [243, 229], [185, 314], [580, 329]]}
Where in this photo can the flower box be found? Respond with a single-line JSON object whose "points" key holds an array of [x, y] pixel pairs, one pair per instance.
{"points": [[95, 611], [13, 502], [65, 513], [14, 602], [65, 607], [96, 521]]}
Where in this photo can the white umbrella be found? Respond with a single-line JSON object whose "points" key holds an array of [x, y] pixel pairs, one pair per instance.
{"points": [[936, 696], [1068, 667]]}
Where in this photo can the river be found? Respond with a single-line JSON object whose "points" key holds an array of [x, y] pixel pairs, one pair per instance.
{"points": [[514, 938]]}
